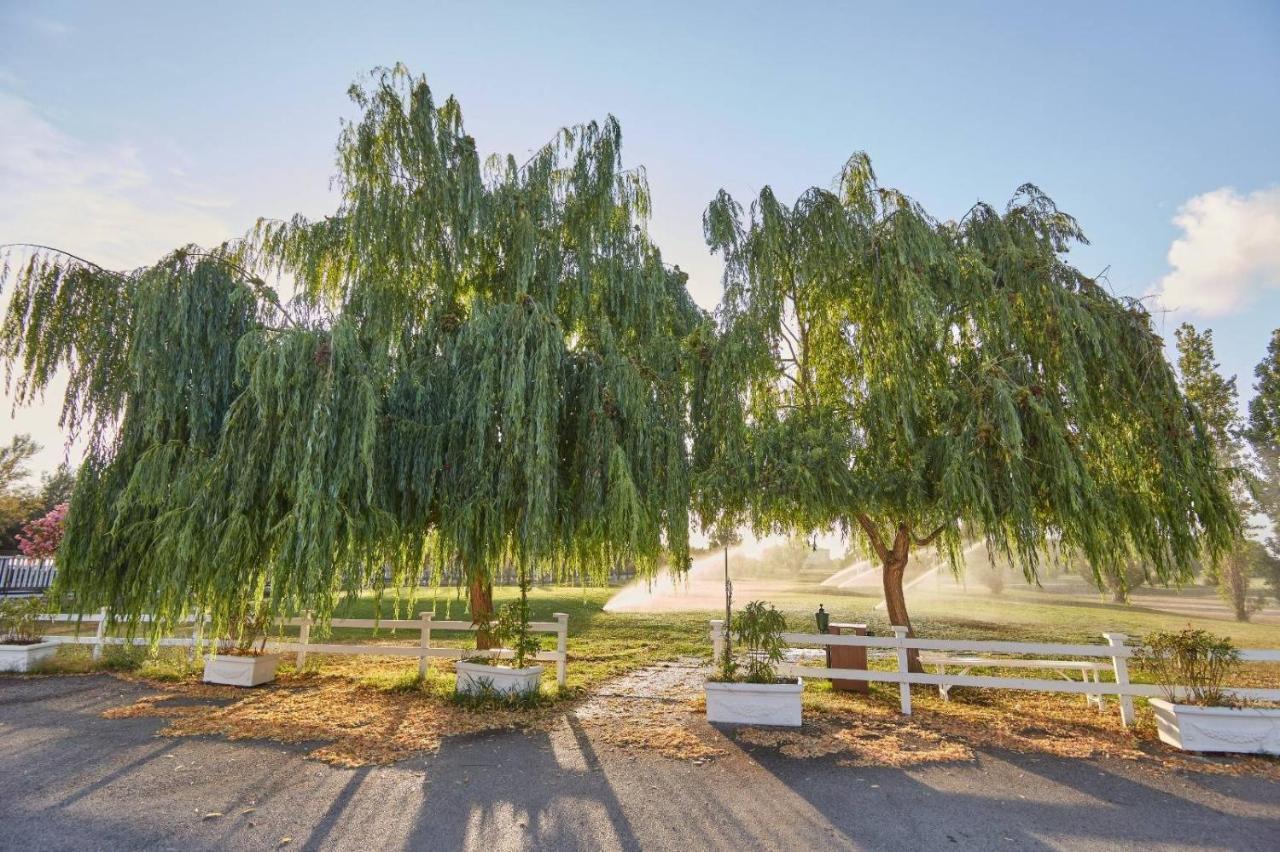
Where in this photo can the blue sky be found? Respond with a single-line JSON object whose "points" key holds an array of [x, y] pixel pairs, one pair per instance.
{"points": [[126, 133]]}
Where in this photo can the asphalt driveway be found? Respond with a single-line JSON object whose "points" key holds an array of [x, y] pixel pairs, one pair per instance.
{"points": [[70, 779]]}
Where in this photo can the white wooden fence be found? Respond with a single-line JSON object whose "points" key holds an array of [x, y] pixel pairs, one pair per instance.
{"points": [[1116, 651], [424, 624]]}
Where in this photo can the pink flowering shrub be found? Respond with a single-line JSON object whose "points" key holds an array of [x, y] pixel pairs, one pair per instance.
{"points": [[39, 539]]}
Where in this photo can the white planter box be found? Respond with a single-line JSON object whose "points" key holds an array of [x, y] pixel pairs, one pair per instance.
{"points": [[755, 703], [24, 658], [474, 678], [1247, 730], [240, 671]]}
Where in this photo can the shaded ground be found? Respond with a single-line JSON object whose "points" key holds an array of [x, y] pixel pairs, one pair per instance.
{"points": [[70, 778]]}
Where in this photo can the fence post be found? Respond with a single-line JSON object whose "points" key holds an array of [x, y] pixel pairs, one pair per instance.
{"points": [[904, 687], [717, 640], [562, 648], [304, 636], [1121, 668], [101, 633], [197, 636], [424, 641]]}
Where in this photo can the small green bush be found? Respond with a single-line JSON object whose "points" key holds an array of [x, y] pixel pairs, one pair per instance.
{"points": [[1195, 659], [757, 630], [20, 622]]}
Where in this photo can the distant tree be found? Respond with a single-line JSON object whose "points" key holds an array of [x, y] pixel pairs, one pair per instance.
{"points": [[57, 487], [1217, 400], [724, 537], [991, 575], [1116, 580], [1263, 434], [1264, 408], [14, 461], [921, 383], [18, 501]]}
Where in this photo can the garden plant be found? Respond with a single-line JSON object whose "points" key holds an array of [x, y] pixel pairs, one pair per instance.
{"points": [[20, 622], [1196, 660], [757, 629]]}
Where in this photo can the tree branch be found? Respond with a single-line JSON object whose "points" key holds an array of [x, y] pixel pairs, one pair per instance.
{"points": [[75, 257], [877, 543], [931, 537], [257, 284]]}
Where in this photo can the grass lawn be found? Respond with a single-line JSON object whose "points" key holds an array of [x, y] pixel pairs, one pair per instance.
{"points": [[603, 644], [1029, 617]]}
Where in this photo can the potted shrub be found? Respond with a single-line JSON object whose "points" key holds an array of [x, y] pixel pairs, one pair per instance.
{"points": [[1196, 713], [484, 674], [749, 691], [237, 662], [22, 643]]}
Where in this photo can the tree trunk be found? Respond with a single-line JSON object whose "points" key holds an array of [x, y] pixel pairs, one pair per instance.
{"points": [[482, 610], [1233, 583], [894, 565]]}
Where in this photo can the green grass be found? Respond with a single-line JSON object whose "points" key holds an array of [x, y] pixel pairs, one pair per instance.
{"points": [[603, 645], [167, 664], [1016, 615]]}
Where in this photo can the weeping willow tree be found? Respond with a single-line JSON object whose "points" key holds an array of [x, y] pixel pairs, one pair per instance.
{"points": [[485, 365], [919, 383]]}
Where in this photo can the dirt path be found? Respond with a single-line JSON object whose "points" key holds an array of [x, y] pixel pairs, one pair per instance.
{"points": [[655, 709]]}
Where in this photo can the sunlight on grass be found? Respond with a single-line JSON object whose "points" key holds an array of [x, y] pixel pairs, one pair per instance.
{"points": [[603, 645]]}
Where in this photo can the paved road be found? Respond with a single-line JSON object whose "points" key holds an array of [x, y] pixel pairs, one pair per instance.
{"points": [[72, 780]]}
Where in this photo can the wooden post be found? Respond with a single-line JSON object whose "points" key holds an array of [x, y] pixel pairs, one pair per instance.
{"points": [[1121, 667], [101, 634], [717, 640], [904, 688], [562, 648], [304, 636], [197, 637], [424, 641]]}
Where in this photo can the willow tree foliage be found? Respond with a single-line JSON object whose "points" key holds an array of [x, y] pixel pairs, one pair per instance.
{"points": [[919, 383], [485, 364]]}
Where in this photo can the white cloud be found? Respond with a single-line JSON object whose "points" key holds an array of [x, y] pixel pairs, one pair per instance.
{"points": [[1228, 253], [102, 201]]}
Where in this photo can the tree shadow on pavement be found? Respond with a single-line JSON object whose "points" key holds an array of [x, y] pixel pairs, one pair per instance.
{"points": [[1029, 802]]}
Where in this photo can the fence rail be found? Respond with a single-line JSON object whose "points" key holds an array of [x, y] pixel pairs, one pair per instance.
{"points": [[425, 624], [1116, 651]]}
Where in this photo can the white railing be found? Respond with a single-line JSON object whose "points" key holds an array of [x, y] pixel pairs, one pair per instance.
{"points": [[424, 624], [1115, 651]]}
